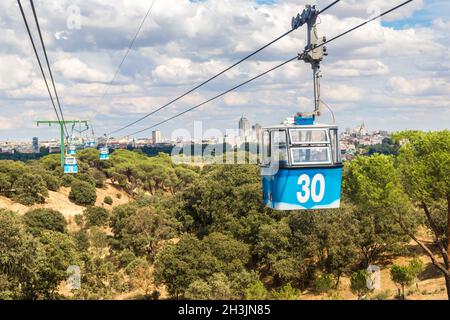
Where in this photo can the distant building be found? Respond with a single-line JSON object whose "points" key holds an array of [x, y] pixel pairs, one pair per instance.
{"points": [[35, 145], [244, 129], [156, 137], [257, 131]]}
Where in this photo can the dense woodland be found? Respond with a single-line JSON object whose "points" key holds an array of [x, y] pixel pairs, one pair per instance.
{"points": [[204, 233]]}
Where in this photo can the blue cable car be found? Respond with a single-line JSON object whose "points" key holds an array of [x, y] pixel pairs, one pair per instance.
{"points": [[301, 166], [70, 164], [72, 150], [104, 153]]}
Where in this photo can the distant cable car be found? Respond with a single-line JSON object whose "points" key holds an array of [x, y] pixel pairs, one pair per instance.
{"points": [[72, 150], [104, 153], [70, 164], [301, 164]]}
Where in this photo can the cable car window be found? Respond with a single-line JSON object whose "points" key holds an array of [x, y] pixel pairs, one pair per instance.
{"points": [[308, 136], [335, 145], [265, 147], [278, 142], [313, 155]]}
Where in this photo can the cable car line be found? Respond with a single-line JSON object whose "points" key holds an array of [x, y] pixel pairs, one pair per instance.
{"points": [[299, 56], [216, 97], [105, 93], [218, 74], [38, 59], [48, 65]]}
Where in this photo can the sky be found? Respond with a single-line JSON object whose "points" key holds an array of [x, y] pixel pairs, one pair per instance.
{"points": [[392, 74]]}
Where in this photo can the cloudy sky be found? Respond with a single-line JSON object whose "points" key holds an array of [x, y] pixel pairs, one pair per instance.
{"points": [[392, 74]]}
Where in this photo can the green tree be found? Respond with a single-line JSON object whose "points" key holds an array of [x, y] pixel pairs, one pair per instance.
{"points": [[424, 161], [83, 193], [374, 186], [358, 283], [17, 256], [38, 220], [96, 216], [30, 189], [402, 276]]}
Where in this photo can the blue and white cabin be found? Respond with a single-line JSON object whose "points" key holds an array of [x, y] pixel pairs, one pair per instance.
{"points": [[72, 150], [104, 153], [301, 166], [70, 164]]}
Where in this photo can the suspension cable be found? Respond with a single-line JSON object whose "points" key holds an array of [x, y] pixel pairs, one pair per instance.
{"points": [[215, 76], [39, 60], [272, 69], [49, 69]]}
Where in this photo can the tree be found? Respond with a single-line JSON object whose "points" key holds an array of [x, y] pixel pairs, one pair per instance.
{"points": [[141, 276], [373, 184], [358, 283], [17, 256], [57, 252], [402, 276], [5, 184], [29, 189], [424, 161], [177, 266], [83, 193], [96, 216], [38, 220]]}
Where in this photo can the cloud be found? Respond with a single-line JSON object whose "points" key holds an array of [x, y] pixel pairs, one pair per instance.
{"points": [[380, 68]]}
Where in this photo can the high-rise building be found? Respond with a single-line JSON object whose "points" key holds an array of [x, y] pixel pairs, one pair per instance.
{"points": [[156, 137], [256, 131], [35, 145], [244, 129]]}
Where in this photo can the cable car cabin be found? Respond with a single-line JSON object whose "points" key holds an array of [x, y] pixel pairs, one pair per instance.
{"points": [[301, 166], [72, 150], [70, 165], [104, 153]]}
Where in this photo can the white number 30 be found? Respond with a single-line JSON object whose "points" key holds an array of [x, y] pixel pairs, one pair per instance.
{"points": [[309, 189]]}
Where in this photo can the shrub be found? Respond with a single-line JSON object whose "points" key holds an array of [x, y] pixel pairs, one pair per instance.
{"points": [[324, 283], [96, 216], [108, 200], [256, 291], [38, 220], [83, 193]]}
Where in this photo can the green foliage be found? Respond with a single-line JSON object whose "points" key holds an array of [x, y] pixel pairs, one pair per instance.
{"points": [[30, 189], [52, 182], [324, 283], [358, 283], [108, 200], [38, 220], [404, 276], [179, 265], [256, 291], [140, 230], [96, 216], [5, 184], [373, 184], [286, 293], [83, 193]]}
